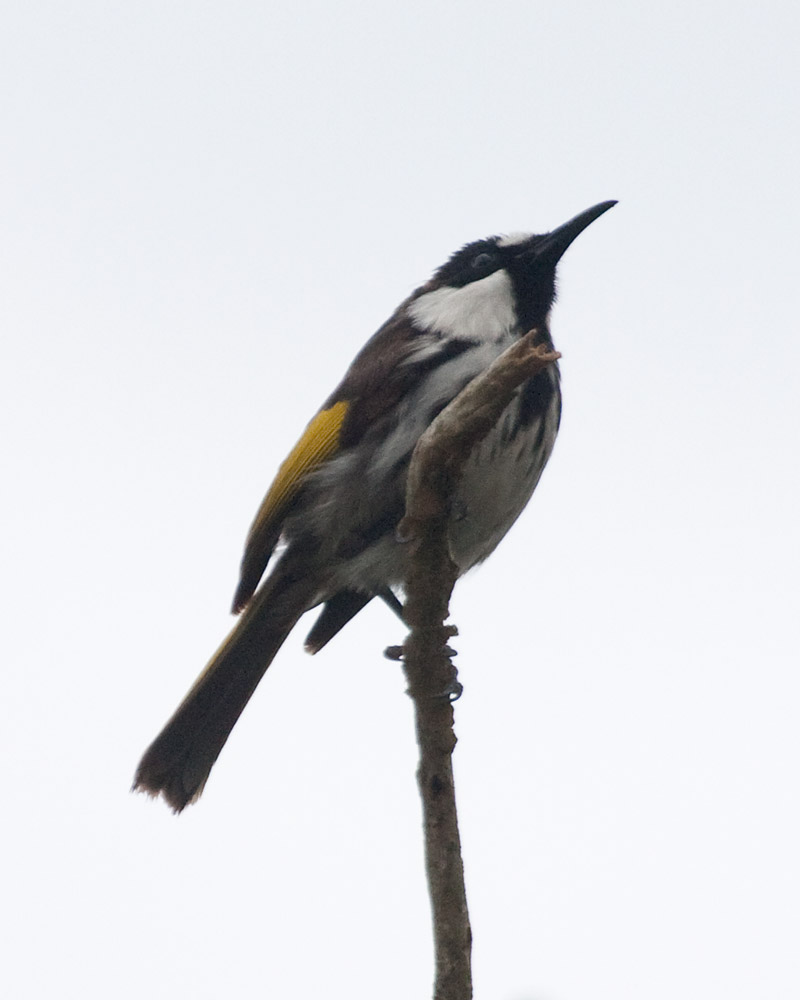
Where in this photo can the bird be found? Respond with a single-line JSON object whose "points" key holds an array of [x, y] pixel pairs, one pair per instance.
{"points": [[325, 535]]}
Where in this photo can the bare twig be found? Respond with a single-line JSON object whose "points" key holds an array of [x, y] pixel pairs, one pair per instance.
{"points": [[436, 466]]}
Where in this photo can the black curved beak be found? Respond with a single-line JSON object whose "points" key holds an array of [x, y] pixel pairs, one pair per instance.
{"points": [[550, 248]]}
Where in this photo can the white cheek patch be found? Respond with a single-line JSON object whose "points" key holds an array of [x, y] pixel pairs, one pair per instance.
{"points": [[513, 239], [481, 310]]}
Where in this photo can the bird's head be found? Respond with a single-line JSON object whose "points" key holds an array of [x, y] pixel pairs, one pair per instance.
{"points": [[497, 285]]}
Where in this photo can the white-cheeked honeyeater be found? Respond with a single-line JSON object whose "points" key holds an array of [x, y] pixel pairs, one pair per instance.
{"points": [[336, 501]]}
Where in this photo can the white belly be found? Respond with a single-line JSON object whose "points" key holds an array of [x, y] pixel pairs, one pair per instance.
{"points": [[498, 482]]}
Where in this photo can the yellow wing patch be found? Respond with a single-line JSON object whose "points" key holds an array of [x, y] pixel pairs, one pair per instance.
{"points": [[320, 440]]}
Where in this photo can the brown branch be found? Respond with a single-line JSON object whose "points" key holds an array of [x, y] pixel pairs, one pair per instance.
{"points": [[436, 466]]}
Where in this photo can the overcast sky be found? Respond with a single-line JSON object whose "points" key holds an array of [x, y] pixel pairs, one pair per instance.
{"points": [[206, 209]]}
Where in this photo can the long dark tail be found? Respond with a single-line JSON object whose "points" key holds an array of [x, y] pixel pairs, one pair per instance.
{"points": [[177, 763]]}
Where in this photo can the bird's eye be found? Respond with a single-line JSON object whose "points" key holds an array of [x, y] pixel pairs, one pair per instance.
{"points": [[483, 261]]}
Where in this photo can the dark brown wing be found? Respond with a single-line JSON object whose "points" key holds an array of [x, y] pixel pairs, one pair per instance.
{"points": [[374, 382], [386, 368]]}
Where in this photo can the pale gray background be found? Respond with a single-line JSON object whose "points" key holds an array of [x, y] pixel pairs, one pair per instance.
{"points": [[206, 208]]}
